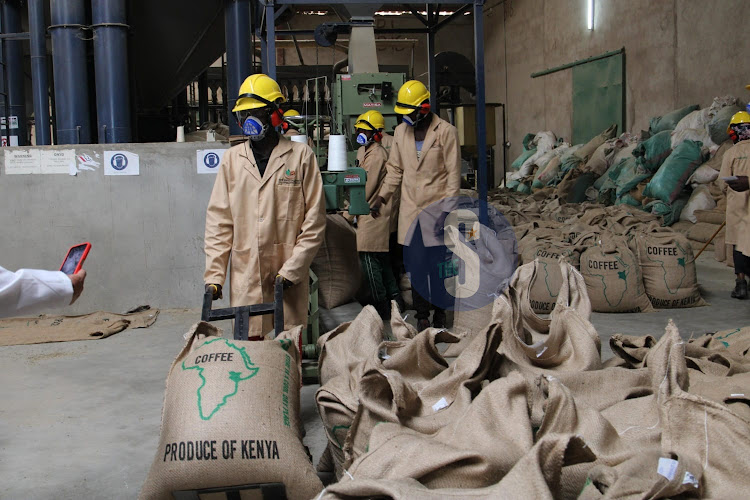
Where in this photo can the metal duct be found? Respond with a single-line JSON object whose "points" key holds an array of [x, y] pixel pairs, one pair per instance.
{"points": [[237, 25], [14, 65], [71, 74], [111, 63], [39, 80]]}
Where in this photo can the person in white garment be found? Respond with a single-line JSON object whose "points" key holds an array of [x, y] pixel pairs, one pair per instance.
{"points": [[31, 291]]}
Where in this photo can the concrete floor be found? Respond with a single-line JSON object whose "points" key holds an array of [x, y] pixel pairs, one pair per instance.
{"points": [[81, 419]]}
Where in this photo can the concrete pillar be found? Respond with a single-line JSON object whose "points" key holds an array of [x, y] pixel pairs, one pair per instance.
{"points": [[72, 110], [112, 81]]}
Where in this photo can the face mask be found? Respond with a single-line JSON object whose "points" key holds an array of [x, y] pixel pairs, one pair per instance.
{"points": [[362, 139], [407, 119], [254, 128]]}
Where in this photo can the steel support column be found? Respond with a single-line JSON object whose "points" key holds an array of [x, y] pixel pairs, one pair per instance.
{"points": [[431, 70], [112, 80], [270, 39], [481, 111], [72, 111], [14, 66], [203, 97], [237, 26], [39, 78]]}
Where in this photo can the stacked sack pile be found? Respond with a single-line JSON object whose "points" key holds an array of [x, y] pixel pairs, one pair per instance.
{"points": [[670, 170], [629, 261], [528, 409]]}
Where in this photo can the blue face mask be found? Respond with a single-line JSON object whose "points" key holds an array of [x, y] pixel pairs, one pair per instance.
{"points": [[254, 128], [362, 139], [407, 119]]}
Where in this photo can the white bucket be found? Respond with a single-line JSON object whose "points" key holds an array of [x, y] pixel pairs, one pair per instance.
{"points": [[337, 153]]}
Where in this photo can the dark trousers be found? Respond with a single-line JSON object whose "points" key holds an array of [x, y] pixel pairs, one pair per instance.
{"points": [[741, 262], [424, 264], [379, 275]]}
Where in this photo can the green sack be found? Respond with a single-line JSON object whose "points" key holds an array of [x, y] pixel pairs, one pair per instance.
{"points": [[670, 120], [651, 153], [512, 185], [669, 181], [628, 200], [578, 191], [717, 127], [670, 212], [523, 188], [605, 176], [569, 162], [527, 152], [631, 174]]}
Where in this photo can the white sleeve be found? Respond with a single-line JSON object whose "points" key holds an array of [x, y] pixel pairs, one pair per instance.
{"points": [[30, 291]]}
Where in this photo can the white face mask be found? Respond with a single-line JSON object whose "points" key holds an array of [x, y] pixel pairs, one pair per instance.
{"points": [[362, 139]]}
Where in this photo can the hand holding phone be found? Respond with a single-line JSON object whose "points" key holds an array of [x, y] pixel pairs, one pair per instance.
{"points": [[74, 260]]}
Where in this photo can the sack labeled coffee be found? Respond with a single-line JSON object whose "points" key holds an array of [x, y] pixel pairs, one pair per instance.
{"points": [[666, 260], [231, 418]]}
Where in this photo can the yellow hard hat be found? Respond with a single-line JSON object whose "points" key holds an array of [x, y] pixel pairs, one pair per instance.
{"points": [[738, 118], [410, 96], [372, 120], [292, 112], [258, 91], [747, 87]]}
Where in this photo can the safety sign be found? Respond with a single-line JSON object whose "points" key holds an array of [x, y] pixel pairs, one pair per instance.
{"points": [[58, 161], [208, 160], [23, 162], [121, 163]]}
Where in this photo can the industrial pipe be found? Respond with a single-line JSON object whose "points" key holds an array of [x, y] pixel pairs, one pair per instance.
{"points": [[39, 79], [111, 70], [203, 98], [71, 74], [14, 66], [237, 26]]}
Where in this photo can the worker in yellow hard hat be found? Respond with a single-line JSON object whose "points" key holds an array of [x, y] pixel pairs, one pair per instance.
{"points": [[425, 167], [266, 211], [290, 128], [373, 234], [735, 170]]}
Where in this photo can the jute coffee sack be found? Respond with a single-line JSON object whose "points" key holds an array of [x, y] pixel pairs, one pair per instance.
{"points": [[613, 277], [410, 383], [736, 341], [231, 417], [546, 250], [536, 475], [666, 260], [567, 341]]}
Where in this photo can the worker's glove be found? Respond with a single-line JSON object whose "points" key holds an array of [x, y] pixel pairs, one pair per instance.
{"points": [[215, 291], [287, 283]]}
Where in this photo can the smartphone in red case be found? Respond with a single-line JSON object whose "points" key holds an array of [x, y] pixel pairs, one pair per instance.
{"points": [[74, 260]]}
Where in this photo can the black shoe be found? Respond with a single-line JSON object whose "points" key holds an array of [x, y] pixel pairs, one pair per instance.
{"points": [[740, 289], [423, 324]]}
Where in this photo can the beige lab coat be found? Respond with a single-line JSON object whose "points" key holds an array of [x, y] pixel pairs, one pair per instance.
{"points": [[267, 226], [373, 234], [434, 177], [395, 201], [735, 162]]}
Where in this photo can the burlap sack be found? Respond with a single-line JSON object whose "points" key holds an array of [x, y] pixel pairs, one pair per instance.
{"points": [[736, 341], [613, 277], [729, 391], [410, 383], [669, 276], [631, 349], [711, 216], [567, 341], [536, 475], [337, 264], [720, 249], [349, 344], [547, 280], [231, 417], [702, 231]]}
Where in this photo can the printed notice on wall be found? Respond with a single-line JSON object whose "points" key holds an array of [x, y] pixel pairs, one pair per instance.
{"points": [[58, 161], [209, 160], [23, 162], [121, 163]]}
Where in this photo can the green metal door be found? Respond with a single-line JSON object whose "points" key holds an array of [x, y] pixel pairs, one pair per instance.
{"points": [[598, 97]]}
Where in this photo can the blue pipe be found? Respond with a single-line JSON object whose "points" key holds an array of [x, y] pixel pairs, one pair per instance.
{"points": [[270, 40], [71, 74], [39, 79], [111, 62], [237, 26], [481, 111], [14, 65]]}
